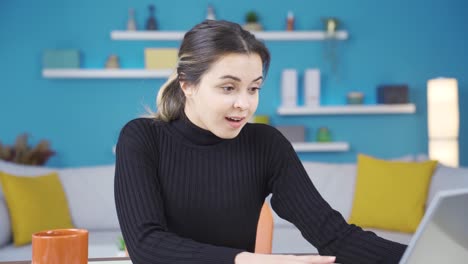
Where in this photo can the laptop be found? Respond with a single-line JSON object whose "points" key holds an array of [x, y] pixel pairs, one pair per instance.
{"points": [[442, 235]]}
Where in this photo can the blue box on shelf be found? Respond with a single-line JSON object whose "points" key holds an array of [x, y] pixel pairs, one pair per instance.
{"points": [[61, 58], [392, 94]]}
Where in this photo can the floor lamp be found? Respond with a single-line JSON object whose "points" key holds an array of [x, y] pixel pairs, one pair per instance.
{"points": [[443, 120]]}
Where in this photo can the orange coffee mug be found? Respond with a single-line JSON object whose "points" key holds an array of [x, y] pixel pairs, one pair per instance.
{"points": [[60, 246]]}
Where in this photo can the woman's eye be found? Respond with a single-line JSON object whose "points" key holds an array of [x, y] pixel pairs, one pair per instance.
{"points": [[254, 89], [228, 88]]}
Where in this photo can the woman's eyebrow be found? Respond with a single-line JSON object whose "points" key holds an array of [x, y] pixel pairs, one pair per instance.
{"points": [[259, 78], [230, 77], [237, 78]]}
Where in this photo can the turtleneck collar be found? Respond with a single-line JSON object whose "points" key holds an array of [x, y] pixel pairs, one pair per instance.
{"points": [[196, 135]]}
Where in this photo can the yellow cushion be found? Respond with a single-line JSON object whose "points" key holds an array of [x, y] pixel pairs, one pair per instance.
{"points": [[35, 204], [390, 194]]}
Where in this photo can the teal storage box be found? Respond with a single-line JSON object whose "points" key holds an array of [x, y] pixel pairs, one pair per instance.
{"points": [[57, 59]]}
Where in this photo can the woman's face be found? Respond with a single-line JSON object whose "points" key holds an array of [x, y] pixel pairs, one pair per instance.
{"points": [[226, 96]]}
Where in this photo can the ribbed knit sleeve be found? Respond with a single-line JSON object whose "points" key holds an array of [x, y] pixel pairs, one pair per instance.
{"points": [[297, 200], [140, 208]]}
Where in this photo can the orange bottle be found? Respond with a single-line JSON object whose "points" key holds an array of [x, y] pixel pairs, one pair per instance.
{"points": [[290, 21]]}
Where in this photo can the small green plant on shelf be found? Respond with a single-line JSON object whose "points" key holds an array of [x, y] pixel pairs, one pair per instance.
{"points": [[252, 22], [251, 17]]}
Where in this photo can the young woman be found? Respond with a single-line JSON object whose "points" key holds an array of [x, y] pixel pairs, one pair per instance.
{"points": [[191, 181]]}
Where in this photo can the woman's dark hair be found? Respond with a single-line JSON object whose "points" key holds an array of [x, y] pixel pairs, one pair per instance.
{"points": [[203, 45]]}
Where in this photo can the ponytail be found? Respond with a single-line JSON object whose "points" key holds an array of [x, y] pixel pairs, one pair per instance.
{"points": [[170, 100]]}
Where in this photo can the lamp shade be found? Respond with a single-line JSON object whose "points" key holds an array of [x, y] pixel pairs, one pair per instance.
{"points": [[444, 151], [443, 120], [442, 108]]}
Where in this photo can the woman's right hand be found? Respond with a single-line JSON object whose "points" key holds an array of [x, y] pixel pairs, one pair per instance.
{"points": [[251, 258]]}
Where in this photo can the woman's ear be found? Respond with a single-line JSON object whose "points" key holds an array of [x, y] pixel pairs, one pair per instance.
{"points": [[187, 88]]}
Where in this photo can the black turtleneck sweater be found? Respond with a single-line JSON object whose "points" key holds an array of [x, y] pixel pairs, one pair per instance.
{"points": [[183, 195]]}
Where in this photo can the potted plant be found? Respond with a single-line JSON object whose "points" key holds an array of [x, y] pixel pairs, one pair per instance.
{"points": [[252, 22], [22, 153], [122, 247]]}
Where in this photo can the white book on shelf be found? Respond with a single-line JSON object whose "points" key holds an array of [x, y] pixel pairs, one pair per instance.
{"points": [[289, 88], [312, 87]]}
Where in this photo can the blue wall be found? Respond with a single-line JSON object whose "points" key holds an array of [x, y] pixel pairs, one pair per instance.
{"points": [[390, 42]]}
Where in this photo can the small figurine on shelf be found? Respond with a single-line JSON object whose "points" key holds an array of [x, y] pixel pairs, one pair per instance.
{"points": [[131, 23], [252, 22], [290, 21], [112, 62], [331, 26], [151, 22], [210, 14]]}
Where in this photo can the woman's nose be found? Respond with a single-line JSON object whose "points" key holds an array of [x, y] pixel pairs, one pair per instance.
{"points": [[242, 102]]}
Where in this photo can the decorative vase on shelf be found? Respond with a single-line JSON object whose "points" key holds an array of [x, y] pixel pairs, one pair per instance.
{"points": [[210, 14], [151, 23], [330, 44], [252, 22], [131, 23]]}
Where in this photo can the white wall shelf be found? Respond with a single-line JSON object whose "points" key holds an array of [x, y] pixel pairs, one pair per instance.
{"points": [[320, 147], [105, 73], [265, 35], [349, 110]]}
